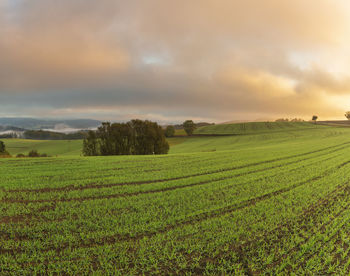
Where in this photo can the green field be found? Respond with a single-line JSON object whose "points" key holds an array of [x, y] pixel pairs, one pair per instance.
{"points": [[56, 148], [246, 134], [273, 201], [256, 128], [50, 147]]}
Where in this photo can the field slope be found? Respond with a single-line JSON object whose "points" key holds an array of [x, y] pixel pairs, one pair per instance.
{"points": [[273, 203], [50, 147], [256, 128], [56, 147]]}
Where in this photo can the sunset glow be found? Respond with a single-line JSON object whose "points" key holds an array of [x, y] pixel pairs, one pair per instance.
{"points": [[171, 60]]}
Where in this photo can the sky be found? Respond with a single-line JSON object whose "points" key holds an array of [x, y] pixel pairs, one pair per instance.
{"points": [[167, 61]]}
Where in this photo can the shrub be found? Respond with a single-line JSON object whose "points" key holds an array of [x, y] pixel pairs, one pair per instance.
{"points": [[33, 153]]}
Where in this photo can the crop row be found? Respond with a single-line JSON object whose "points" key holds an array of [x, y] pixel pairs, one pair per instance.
{"points": [[207, 213], [104, 240]]}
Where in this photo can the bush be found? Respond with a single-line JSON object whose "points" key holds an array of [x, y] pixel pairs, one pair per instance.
{"points": [[5, 155], [282, 120], [33, 153]]}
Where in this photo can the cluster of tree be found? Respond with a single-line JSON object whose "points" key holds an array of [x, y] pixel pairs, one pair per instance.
{"points": [[347, 115], [169, 131], [189, 126], [3, 152], [49, 135], [314, 118], [32, 153], [290, 120], [131, 138]]}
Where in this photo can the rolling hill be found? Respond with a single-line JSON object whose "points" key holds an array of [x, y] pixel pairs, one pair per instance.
{"points": [[273, 203], [255, 128]]}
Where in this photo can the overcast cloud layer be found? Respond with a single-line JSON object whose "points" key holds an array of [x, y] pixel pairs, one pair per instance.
{"points": [[170, 60]]}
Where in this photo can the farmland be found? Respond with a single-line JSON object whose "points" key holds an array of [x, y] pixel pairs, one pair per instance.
{"points": [[257, 128], [50, 147], [56, 147], [260, 202]]}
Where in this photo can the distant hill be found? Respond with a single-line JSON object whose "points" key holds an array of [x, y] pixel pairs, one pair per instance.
{"points": [[341, 123], [10, 128], [247, 121], [36, 124], [254, 127]]}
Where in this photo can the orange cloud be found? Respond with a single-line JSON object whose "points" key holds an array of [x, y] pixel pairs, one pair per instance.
{"points": [[210, 59]]}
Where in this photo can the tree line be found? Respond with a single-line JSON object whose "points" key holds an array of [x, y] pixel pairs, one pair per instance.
{"points": [[289, 120], [131, 138], [50, 135], [189, 126]]}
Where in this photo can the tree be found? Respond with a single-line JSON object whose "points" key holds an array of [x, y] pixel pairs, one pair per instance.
{"points": [[169, 131], [347, 115], [2, 147], [148, 138], [3, 152], [189, 126], [314, 118], [90, 144]]}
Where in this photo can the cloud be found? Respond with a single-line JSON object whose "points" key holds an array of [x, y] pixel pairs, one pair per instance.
{"points": [[213, 60]]}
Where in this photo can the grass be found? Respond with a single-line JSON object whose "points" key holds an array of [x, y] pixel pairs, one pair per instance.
{"points": [[58, 147], [254, 133], [51, 147], [256, 128], [268, 203]]}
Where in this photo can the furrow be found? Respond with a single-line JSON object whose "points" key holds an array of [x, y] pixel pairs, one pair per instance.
{"points": [[99, 186], [93, 185], [188, 221]]}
